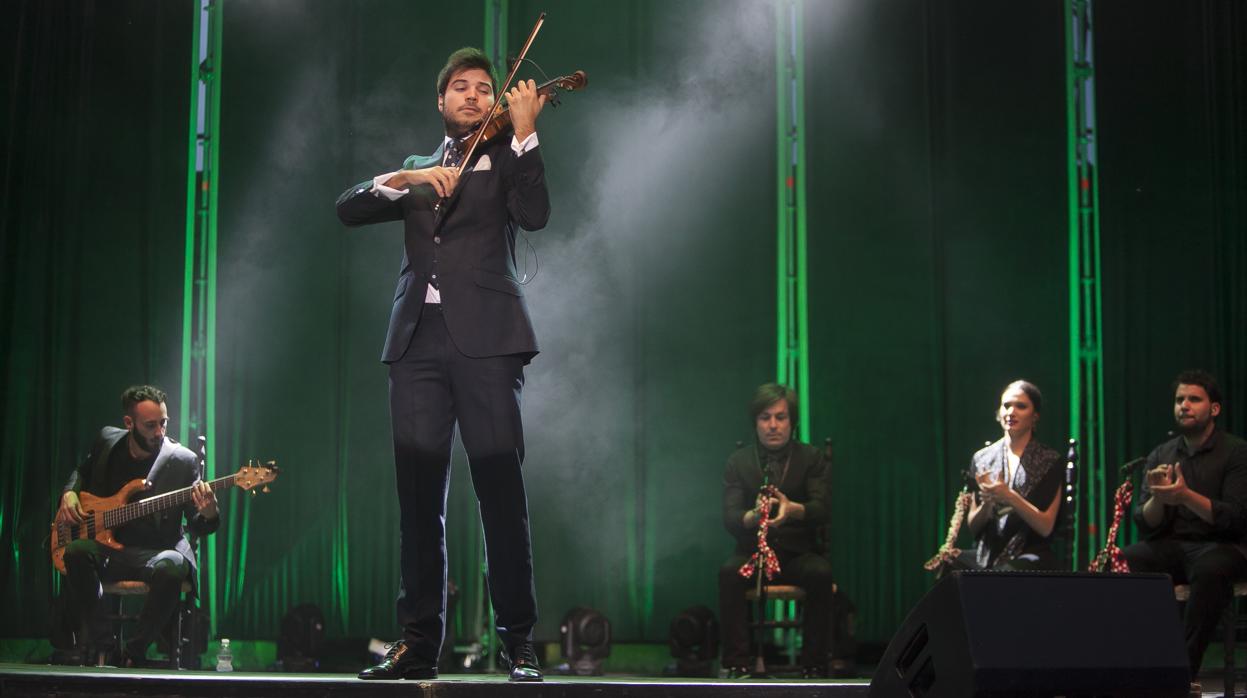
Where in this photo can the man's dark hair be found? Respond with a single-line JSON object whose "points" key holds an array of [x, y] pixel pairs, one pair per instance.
{"points": [[465, 58], [1201, 378], [140, 393], [768, 394], [1031, 390]]}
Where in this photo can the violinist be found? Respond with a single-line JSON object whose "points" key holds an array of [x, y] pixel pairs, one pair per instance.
{"points": [[458, 340]]}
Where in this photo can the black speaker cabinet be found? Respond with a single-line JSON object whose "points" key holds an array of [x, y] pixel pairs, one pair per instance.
{"points": [[1039, 634]]}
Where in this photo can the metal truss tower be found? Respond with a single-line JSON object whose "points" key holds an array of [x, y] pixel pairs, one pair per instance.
{"points": [[1085, 326], [792, 311], [197, 397]]}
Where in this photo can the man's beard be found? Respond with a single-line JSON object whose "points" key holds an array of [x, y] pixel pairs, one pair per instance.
{"points": [[1194, 427], [143, 443], [457, 130]]}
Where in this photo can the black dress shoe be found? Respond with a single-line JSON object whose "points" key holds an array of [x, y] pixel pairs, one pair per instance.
{"points": [[814, 672], [134, 660], [400, 663], [523, 663]]}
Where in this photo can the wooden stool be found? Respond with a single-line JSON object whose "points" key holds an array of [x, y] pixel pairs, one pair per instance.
{"points": [[1231, 622], [786, 621], [130, 587]]}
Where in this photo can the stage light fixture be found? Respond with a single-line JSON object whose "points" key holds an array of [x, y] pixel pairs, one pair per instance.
{"points": [[301, 639], [694, 642], [586, 641]]}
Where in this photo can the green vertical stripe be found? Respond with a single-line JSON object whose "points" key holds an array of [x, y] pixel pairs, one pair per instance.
{"points": [[781, 195], [792, 363], [211, 176], [798, 148], [188, 268], [1073, 271]]}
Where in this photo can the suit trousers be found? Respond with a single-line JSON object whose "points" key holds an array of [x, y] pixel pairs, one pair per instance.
{"points": [[1210, 568], [809, 571], [87, 563], [435, 388]]}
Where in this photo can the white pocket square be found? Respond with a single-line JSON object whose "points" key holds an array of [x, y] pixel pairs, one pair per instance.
{"points": [[482, 164]]}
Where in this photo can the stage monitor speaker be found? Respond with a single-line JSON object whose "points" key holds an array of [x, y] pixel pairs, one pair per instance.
{"points": [[1039, 634]]}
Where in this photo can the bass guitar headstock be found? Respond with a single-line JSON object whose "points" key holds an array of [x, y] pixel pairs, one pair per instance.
{"points": [[254, 474]]}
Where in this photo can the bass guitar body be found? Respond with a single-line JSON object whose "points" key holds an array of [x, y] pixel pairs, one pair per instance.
{"points": [[92, 525]]}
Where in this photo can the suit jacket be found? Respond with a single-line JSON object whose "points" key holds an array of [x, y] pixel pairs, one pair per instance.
{"points": [[1037, 479], [175, 467], [469, 245], [805, 483]]}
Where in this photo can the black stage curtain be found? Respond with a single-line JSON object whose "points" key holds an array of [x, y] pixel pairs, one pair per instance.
{"points": [[94, 127], [936, 164]]}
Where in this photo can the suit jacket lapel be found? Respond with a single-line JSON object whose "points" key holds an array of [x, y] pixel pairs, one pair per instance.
{"points": [[166, 450]]}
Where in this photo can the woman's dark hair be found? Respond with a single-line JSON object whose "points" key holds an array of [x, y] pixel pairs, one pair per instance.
{"points": [[768, 394], [465, 58], [1030, 389]]}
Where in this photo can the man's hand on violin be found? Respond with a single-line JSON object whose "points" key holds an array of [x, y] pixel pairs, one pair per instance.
{"points": [[525, 104], [442, 179]]}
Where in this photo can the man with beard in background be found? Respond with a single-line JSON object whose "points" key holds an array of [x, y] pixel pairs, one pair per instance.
{"points": [[1193, 512], [156, 550], [458, 340], [798, 472]]}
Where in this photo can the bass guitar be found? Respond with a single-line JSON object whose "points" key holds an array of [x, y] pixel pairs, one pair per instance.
{"points": [[103, 514]]}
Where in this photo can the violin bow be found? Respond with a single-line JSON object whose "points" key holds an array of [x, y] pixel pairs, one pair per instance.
{"points": [[476, 139], [493, 111]]}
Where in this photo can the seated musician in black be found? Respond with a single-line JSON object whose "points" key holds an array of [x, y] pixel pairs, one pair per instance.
{"points": [[798, 471], [1014, 512], [1192, 514], [155, 547]]}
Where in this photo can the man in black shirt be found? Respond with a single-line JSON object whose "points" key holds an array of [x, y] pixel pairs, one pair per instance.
{"points": [[798, 471], [155, 547], [1193, 513]]}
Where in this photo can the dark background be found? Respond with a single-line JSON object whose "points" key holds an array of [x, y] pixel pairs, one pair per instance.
{"points": [[938, 242]]}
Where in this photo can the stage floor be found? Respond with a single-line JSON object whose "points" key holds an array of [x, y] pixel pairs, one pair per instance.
{"points": [[47, 681]]}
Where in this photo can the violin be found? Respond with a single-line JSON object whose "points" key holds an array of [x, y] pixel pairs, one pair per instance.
{"points": [[500, 123], [498, 120]]}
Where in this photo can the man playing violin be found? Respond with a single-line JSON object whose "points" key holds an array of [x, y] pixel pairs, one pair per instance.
{"points": [[155, 547], [458, 340]]}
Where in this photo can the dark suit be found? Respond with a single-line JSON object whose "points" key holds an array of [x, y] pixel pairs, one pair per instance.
{"points": [[795, 543], [460, 364], [156, 551]]}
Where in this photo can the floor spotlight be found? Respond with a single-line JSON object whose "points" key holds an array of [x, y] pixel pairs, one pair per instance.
{"points": [[302, 637], [694, 642], [586, 636]]}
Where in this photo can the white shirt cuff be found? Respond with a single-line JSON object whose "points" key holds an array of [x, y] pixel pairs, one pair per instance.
{"points": [[388, 192], [520, 147]]}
